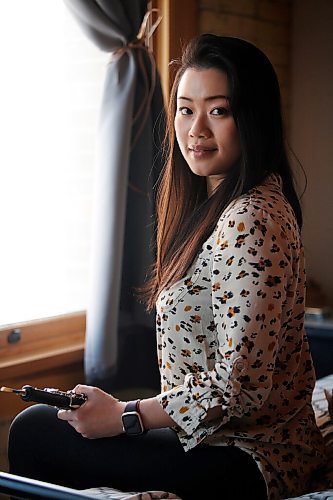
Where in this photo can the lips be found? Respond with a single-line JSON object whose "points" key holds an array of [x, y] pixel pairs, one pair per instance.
{"points": [[201, 152], [201, 149]]}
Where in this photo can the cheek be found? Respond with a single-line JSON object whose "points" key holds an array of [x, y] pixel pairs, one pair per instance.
{"points": [[233, 138], [179, 131]]}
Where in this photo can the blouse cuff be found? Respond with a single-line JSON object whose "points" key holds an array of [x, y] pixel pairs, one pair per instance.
{"points": [[184, 409]]}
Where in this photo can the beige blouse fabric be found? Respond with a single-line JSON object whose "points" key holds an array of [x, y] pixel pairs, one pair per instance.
{"points": [[231, 334]]}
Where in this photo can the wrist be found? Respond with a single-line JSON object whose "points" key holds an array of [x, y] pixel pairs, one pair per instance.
{"points": [[122, 406], [153, 415]]}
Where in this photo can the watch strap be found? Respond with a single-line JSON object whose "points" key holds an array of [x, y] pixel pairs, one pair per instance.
{"points": [[133, 406]]}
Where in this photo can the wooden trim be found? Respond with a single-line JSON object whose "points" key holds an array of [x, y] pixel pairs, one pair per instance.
{"points": [[180, 23], [184, 25], [161, 44], [43, 345]]}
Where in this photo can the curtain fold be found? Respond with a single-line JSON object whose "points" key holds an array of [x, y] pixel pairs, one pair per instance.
{"points": [[128, 165]]}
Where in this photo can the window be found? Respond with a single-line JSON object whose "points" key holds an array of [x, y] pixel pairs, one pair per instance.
{"points": [[50, 91]]}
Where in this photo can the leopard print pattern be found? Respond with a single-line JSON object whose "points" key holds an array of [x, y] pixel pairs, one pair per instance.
{"points": [[231, 334]]}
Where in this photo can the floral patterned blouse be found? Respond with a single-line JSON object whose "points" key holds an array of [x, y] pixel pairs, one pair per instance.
{"points": [[231, 334]]}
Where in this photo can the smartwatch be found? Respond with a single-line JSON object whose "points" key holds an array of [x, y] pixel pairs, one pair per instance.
{"points": [[132, 421]]}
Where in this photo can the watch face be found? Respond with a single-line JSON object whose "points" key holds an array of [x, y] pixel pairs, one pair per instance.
{"points": [[132, 423]]}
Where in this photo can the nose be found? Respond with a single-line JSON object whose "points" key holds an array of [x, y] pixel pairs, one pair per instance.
{"points": [[199, 127]]}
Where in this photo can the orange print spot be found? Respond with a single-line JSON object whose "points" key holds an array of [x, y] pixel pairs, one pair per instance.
{"points": [[225, 244], [187, 308], [165, 388], [232, 311], [271, 346], [183, 409], [216, 287], [168, 365], [241, 226], [230, 342], [177, 328]]}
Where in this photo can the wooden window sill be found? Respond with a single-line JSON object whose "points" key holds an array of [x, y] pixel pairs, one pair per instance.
{"points": [[43, 345]]}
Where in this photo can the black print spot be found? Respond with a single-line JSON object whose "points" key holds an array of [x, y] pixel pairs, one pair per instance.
{"points": [[272, 281]]}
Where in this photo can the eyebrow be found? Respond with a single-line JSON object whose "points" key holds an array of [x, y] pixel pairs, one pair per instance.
{"points": [[209, 98]]}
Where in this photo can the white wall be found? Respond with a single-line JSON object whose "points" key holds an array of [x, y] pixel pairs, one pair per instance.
{"points": [[311, 131]]}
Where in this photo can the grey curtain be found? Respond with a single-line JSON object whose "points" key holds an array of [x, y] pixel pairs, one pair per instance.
{"points": [[128, 164]]}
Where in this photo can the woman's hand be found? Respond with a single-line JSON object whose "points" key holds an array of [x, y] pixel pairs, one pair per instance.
{"points": [[99, 416]]}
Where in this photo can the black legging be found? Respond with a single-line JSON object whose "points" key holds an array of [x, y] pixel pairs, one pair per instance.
{"points": [[43, 447]]}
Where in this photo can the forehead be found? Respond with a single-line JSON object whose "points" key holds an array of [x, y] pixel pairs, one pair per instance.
{"points": [[203, 83]]}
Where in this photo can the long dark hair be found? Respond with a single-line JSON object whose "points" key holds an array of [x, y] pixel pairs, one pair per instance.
{"points": [[185, 215]]}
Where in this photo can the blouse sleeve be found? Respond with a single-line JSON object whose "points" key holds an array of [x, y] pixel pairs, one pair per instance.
{"points": [[252, 266]]}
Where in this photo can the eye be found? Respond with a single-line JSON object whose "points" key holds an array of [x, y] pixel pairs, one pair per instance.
{"points": [[219, 111], [184, 110]]}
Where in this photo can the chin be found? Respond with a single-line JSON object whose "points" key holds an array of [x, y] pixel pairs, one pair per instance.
{"points": [[201, 171]]}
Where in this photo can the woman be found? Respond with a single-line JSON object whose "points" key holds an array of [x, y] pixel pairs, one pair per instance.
{"points": [[234, 418]]}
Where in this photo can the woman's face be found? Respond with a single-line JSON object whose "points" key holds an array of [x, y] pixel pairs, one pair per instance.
{"points": [[205, 128]]}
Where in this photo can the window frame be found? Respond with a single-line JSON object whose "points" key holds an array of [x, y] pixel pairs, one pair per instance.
{"points": [[58, 342]]}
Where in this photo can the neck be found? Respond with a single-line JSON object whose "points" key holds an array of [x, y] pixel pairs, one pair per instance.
{"points": [[213, 181]]}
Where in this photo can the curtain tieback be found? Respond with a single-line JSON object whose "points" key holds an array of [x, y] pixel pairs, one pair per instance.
{"points": [[142, 42], [142, 39]]}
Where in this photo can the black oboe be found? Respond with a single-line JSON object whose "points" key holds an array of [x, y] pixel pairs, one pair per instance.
{"points": [[69, 400]]}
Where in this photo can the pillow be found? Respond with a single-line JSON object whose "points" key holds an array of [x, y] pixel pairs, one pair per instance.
{"points": [[322, 406], [329, 397], [323, 409], [322, 391]]}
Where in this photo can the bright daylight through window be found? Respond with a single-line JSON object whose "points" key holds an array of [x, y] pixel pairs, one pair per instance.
{"points": [[50, 91]]}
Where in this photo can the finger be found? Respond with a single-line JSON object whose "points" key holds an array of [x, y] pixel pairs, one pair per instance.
{"points": [[82, 389], [65, 415]]}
